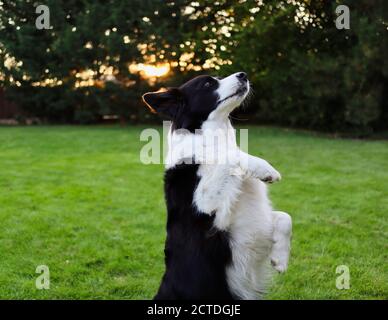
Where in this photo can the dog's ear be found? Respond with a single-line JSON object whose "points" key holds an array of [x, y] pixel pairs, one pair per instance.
{"points": [[164, 102]]}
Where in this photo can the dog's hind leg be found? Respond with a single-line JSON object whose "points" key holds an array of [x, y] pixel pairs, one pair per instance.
{"points": [[282, 231]]}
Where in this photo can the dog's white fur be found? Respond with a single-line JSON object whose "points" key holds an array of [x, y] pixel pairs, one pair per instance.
{"points": [[232, 190]]}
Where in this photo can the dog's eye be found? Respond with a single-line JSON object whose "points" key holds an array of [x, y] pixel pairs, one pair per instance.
{"points": [[207, 84]]}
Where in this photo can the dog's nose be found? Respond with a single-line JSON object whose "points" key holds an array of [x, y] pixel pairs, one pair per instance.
{"points": [[242, 76]]}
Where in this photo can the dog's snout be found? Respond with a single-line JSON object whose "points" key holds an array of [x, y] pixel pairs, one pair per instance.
{"points": [[242, 76]]}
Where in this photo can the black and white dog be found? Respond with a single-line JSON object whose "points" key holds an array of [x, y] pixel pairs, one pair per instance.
{"points": [[222, 234]]}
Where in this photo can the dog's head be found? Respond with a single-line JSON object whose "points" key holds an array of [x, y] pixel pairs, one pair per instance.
{"points": [[200, 99]]}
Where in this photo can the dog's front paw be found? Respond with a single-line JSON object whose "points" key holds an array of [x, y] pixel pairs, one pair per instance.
{"points": [[261, 169], [268, 174], [271, 176], [279, 266]]}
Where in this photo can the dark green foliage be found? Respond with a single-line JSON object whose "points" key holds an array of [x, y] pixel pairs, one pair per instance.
{"points": [[304, 73], [318, 77]]}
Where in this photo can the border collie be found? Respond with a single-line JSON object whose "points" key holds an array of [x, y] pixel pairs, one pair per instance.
{"points": [[222, 234]]}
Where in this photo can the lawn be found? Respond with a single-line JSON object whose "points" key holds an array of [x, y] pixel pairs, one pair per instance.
{"points": [[78, 200]]}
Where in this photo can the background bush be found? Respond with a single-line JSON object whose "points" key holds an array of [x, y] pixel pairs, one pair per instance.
{"points": [[305, 72]]}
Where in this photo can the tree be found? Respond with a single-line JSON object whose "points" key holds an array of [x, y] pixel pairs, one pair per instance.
{"points": [[304, 71], [307, 73]]}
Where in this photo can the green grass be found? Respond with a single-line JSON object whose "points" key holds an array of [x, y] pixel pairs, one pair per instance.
{"points": [[78, 200]]}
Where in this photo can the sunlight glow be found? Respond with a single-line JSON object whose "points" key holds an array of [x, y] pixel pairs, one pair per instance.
{"points": [[150, 71]]}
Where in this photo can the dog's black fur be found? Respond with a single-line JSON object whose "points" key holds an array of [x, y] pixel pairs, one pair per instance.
{"points": [[187, 106], [196, 254]]}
